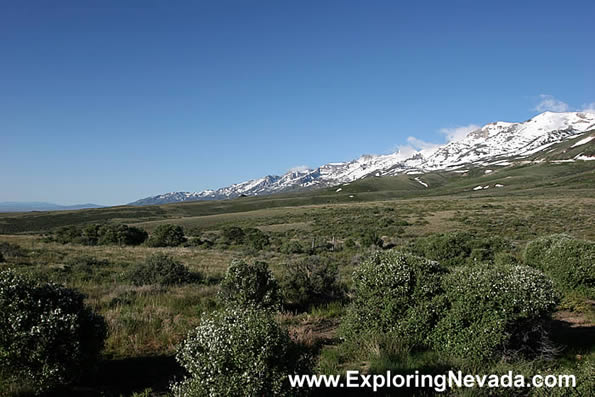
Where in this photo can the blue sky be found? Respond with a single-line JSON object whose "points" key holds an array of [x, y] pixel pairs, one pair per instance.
{"points": [[109, 102]]}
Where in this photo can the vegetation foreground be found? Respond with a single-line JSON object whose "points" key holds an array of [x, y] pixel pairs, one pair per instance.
{"points": [[230, 303]]}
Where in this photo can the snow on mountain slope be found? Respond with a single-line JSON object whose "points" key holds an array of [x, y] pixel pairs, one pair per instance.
{"points": [[511, 139], [488, 144]]}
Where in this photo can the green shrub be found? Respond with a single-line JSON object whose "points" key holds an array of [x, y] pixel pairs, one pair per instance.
{"points": [[90, 234], [311, 281], [238, 352], [249, 284], [371, 238], [9, 250], [536, 251], [48, 337], [97, 234], [135, 236], [291, 247], [458, 248], [349, 243], [167, 236], [68, 234], [202, 243], [86, 261], [161, 269], [257, 239], [585, 382], [396, 293], [121, 235], [233, 235], [568, 261], [494, 311], [505, 258], [85, 268]]}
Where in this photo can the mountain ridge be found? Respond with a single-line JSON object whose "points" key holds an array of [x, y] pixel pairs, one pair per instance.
{"points": [[27, 206], [495, 144]]}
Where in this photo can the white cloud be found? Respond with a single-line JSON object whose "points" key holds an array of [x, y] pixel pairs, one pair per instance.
{"points": [[421, 144], [299, 168], [458, 133], [548, 102], [589, 107], [415, 145], [405, 151]]}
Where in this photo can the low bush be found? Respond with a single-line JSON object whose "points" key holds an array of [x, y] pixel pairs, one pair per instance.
{"points": [[536, 251], [9, 250], [85, 268], [250, 284], [86, 261], [505, 258], [495, 311], [458, 248], [238, 352], [396, 293], [349, 243], [568, 261], [370, 238], [585, 382], [48, 337], [68, 234], [291, 247], [167, 235], [233, 235], [311, 281], [257, 239], [162, 269]]}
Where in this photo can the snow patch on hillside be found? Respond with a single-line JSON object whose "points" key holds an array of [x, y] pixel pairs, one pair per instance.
{"points": [[584, 141]]}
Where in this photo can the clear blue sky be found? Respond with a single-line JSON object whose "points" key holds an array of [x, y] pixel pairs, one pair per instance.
{"points": [[106, 103]]}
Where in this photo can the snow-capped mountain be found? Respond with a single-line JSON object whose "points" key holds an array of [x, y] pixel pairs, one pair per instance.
{"points": [[489, 144], [502, 139]]}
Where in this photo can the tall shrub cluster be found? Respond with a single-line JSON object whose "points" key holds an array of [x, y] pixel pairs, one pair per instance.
{"points": [[48, 337], [394, 293], [311, 281], [167, 235], [568, 261], [478, 312], [458, 248], [101, 234], [250, 284], [239, 351], [495, 311]]}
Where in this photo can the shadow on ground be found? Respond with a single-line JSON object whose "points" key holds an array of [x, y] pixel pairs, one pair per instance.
{"points": [[123, 377], [572, 331]]}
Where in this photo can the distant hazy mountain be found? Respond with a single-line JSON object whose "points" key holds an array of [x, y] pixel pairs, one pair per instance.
{"points": [[16, 206], [493, 144]]}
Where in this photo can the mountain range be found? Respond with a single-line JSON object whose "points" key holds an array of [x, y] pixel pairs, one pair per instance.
{"points": [[497, 144], [25, 206]]}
